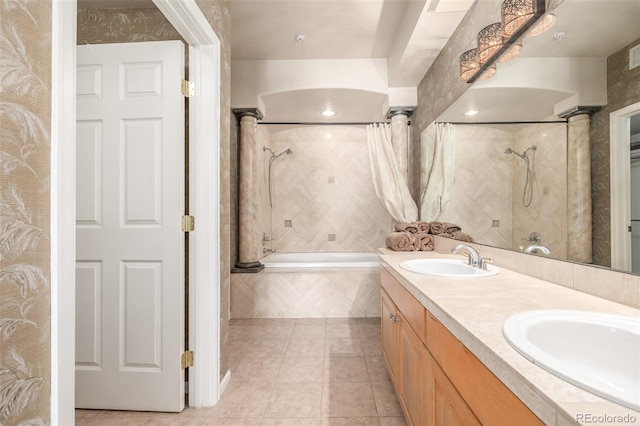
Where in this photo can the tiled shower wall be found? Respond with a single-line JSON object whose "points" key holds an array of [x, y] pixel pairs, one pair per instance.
{"points": [[482, 188], [323, 195], [547, 214], [487, 196]]}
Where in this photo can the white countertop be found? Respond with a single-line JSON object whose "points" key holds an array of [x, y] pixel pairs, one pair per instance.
{"points": [[474, 309]]}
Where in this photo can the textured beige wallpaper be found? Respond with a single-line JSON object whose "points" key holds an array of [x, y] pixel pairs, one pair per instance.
{"points": [[623, 89], [25, 292], [99, 26]]}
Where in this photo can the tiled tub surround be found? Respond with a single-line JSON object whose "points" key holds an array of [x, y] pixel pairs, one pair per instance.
{"points": [[474, 311], [306, 293], [323, 194]]}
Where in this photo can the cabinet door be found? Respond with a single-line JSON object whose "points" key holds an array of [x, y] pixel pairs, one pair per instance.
{"points": [[416, 392], [450, 408], [390, 342]]}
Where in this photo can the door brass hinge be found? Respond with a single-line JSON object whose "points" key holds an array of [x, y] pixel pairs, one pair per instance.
{"points": [[186, 359], [188, 88], [188, 223]]}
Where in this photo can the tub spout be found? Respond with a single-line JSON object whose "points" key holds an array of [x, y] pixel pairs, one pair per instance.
{"points": [[268, 250], [535, 248]]}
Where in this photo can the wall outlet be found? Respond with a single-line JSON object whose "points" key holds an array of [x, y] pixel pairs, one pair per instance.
{"points": [[495, 223], [287, 224], [332, 237]]}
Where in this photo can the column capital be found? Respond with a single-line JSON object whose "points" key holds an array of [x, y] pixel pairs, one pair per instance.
{"points": [[579, 110], [404, 110], [251, 112]]}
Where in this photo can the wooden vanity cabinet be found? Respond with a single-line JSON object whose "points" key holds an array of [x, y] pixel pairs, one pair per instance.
{"points": [[407, 362], [437, 380], [390, 342]]}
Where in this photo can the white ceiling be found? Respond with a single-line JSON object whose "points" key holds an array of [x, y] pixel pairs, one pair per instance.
{"points": [[407, 33]]}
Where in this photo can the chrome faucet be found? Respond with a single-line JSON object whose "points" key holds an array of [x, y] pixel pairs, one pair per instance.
{"points": [[268, 250], [535, 248], [472, 254]]}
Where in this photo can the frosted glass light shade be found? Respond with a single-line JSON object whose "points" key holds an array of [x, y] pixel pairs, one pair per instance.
{"points": [[542, 25], [489, 41], [513, 52], [488, 73], [468, 64]]}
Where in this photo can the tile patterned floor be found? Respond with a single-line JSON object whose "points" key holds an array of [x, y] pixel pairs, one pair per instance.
{"points": [[291, 372]]}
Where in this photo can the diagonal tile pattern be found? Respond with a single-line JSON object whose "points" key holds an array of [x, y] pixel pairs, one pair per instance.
{"points": [[324, 188], [319, 377], [352, 293], [489, 184]]}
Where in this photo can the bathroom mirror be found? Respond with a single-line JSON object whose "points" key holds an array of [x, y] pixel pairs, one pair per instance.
{"points": [[561, 68]]}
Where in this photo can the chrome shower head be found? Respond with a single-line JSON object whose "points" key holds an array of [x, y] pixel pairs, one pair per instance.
{"points": [[508, 151], [287, 151]]}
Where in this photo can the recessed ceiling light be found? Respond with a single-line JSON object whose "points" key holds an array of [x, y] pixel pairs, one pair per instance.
{"points": [[328, 113], [471, 112]]}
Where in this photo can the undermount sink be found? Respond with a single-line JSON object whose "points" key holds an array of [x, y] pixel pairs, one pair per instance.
{"points": [[597, 352], [446, 268]]}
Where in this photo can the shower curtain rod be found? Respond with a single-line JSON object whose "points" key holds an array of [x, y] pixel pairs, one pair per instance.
{"points": [[501, 122], [323, 123]]}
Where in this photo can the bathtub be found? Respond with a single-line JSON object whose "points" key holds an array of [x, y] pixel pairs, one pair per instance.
{"points": [[309, 285], [321, 260]]}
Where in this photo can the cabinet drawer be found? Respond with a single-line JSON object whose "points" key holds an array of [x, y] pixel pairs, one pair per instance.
{"points": [[489, 399], [413, 312]]}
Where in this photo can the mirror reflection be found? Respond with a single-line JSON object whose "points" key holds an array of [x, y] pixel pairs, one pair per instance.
{"points": [[503, 158]]}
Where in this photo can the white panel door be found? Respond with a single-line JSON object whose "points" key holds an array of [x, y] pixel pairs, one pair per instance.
{"points": [[635, 215], [130, 248]]}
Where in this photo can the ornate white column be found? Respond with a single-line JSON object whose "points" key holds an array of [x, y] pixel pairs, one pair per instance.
{"points": [[249, 238], [579, 243]]}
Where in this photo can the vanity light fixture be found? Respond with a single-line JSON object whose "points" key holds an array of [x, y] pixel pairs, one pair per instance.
{"points": [[328, 113], [489, 41], [468, 64], [516, 13], [520, 17]]}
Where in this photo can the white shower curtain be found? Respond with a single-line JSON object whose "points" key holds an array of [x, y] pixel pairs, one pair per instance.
{"points": [[439, 155], [390, 185]]}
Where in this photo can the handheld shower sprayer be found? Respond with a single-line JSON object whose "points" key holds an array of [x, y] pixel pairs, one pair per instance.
{"points": [[273, 157], [524, 153], [527, 195]]}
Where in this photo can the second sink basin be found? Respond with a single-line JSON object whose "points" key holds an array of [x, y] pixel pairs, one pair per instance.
{"points": [[446, 268], [594, 351]]}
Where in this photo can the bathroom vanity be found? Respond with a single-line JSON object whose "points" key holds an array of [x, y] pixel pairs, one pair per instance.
{"points": [[449, 363]]}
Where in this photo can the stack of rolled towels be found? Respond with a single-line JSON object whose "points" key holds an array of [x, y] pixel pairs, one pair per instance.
{"points": [[418, 236]]}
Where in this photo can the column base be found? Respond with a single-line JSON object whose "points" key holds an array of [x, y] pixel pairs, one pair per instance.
{"points": [[247, 267]]}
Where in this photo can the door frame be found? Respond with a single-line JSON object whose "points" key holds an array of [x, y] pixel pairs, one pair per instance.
{"points": [[205, 385], [620, 174]]}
